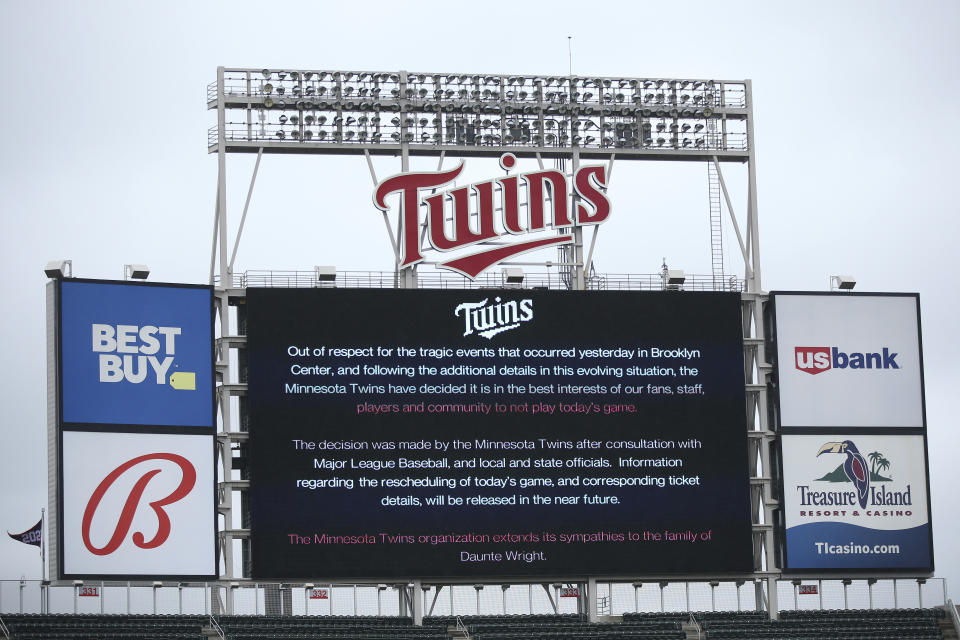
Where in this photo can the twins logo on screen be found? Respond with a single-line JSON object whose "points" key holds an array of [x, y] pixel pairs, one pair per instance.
{"points": [[488, 320], [138, 354], [131, 504], [814, 360], [863, 475]]}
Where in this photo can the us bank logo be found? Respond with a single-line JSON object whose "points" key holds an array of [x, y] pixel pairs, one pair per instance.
{"points": [[136, 354], [814, 360]]}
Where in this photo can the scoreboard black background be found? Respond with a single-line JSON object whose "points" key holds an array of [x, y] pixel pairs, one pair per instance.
{"points": [[336, 532]]}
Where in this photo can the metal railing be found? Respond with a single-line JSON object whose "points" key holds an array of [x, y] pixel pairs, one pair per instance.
{"points": [[954, 617], [245, 598], [392, 135], [442, 280], [692, 620], [215, 625]]}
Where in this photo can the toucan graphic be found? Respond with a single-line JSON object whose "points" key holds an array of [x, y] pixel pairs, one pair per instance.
{"points": [[855, 466]]}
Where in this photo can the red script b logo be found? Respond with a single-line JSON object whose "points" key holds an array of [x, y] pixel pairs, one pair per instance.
{"points": [[133, 500]]}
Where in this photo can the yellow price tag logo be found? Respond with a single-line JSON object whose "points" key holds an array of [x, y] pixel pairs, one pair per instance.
{"points": [[184, 380]]}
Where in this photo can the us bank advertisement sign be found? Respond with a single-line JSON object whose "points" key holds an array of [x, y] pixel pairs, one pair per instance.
{"points": [[855, 501], [137, 505], [136, 354], [849, 360]]}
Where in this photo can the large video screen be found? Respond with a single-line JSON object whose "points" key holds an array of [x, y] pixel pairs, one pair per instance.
{"points": [[496, 433]]}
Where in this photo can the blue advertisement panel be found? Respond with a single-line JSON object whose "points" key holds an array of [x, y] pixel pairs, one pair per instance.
{"points": [[856, 501], [136, 354]]}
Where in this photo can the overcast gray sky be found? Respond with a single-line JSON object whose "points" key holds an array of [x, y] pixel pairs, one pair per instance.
{"points": [[103, 159]]}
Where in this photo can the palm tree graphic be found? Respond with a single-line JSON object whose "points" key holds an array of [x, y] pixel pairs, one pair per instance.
{"points": [[883, 464], [874, 457]]}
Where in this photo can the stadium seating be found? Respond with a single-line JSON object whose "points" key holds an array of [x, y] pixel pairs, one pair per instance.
{"points": [[104, 627], [877, 624]]}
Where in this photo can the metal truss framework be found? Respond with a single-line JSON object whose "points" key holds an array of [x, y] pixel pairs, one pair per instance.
{"points": [[438, 114]]}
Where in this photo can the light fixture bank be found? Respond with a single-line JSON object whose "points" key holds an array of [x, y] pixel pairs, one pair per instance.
{"points": [[312, 111]]}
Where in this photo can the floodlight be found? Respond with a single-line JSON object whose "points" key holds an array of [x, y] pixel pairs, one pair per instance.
{"points": [[325, 273], [267, 102], [266, 73], [136, 271], [674, 277], [59, 269], [842, 282]]}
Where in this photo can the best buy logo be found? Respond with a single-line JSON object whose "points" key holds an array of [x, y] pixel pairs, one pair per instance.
{"points": [[132, 353]]}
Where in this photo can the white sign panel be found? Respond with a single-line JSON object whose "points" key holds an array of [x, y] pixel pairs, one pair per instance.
{"points": [[138, 505], [856, 501], [849, 360]]}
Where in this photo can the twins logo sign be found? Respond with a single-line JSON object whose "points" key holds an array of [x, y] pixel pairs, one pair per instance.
{"points": [[135, 354], [137, 504], [501, 219]]}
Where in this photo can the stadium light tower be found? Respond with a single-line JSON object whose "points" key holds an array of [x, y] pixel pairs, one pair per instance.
{"points": [[403, 114], [567, 119]]}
